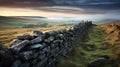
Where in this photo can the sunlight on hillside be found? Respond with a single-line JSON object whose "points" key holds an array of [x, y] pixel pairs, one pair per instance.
{"points": [[7, 35], [113, 37]]}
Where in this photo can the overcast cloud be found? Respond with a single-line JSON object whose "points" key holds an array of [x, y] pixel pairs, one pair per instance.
{"points": [[67, 6]]}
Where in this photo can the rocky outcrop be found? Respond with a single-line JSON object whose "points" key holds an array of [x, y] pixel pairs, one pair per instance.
{"points": [[43, 49]]}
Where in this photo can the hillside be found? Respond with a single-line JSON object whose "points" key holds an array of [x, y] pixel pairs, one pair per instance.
{"points": [[113, 32], [39, 21], [7, 35], [27, 22], [113, 37]]}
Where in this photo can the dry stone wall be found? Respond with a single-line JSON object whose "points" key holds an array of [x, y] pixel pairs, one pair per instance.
{"points": [[42, 49]]}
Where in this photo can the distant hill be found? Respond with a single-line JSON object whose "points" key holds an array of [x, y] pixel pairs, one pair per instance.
{"points": [[24, 22], [39, 21], [27, 17]]}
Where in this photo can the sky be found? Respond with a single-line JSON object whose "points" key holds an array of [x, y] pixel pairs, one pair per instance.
{"points": [[61, 8]]}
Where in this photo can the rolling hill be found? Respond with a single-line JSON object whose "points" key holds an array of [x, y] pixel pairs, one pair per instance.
{"points": [[39, 21], [26, 22]]}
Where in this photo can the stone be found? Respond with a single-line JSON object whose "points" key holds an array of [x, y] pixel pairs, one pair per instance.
{"points": [[36, 46], [61, 36], [52, 46], [42, 55], [6, 58], [46, 34], [17, 63], [27, 55], [43, 52], [27, 37], [52, 33], [37, 33], [2, 47], [37, 40], [25, 65], [14, 42], [47, 41], [42, 63], [20, 38], [34, 62], [51, 38], [16, 48], [58, 41], [35, 55]]}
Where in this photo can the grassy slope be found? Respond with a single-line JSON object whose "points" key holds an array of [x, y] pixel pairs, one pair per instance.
{"points": [[7, 35], [8, 22], [83, 54], [113, 37]]}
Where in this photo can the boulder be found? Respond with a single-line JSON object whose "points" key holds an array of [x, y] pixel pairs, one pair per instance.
{"points": [[36, 46], [46, 34], [16, 48], [49, 39], [37, 40], [26, 55], [52, 33], [14, 42], [37, 33], [25, 37]]}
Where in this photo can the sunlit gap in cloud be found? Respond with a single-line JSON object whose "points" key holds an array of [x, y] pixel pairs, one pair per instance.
{"points": [[6, 11], [29, 12]]}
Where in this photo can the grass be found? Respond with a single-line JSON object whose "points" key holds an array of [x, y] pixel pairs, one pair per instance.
{"points": [[7, 35], [113, 37], [9, 22], [83, 53]]}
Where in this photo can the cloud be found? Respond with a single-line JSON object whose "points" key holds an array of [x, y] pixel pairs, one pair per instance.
{"points": [[66, 6], [67, 9], [59, 2]]}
